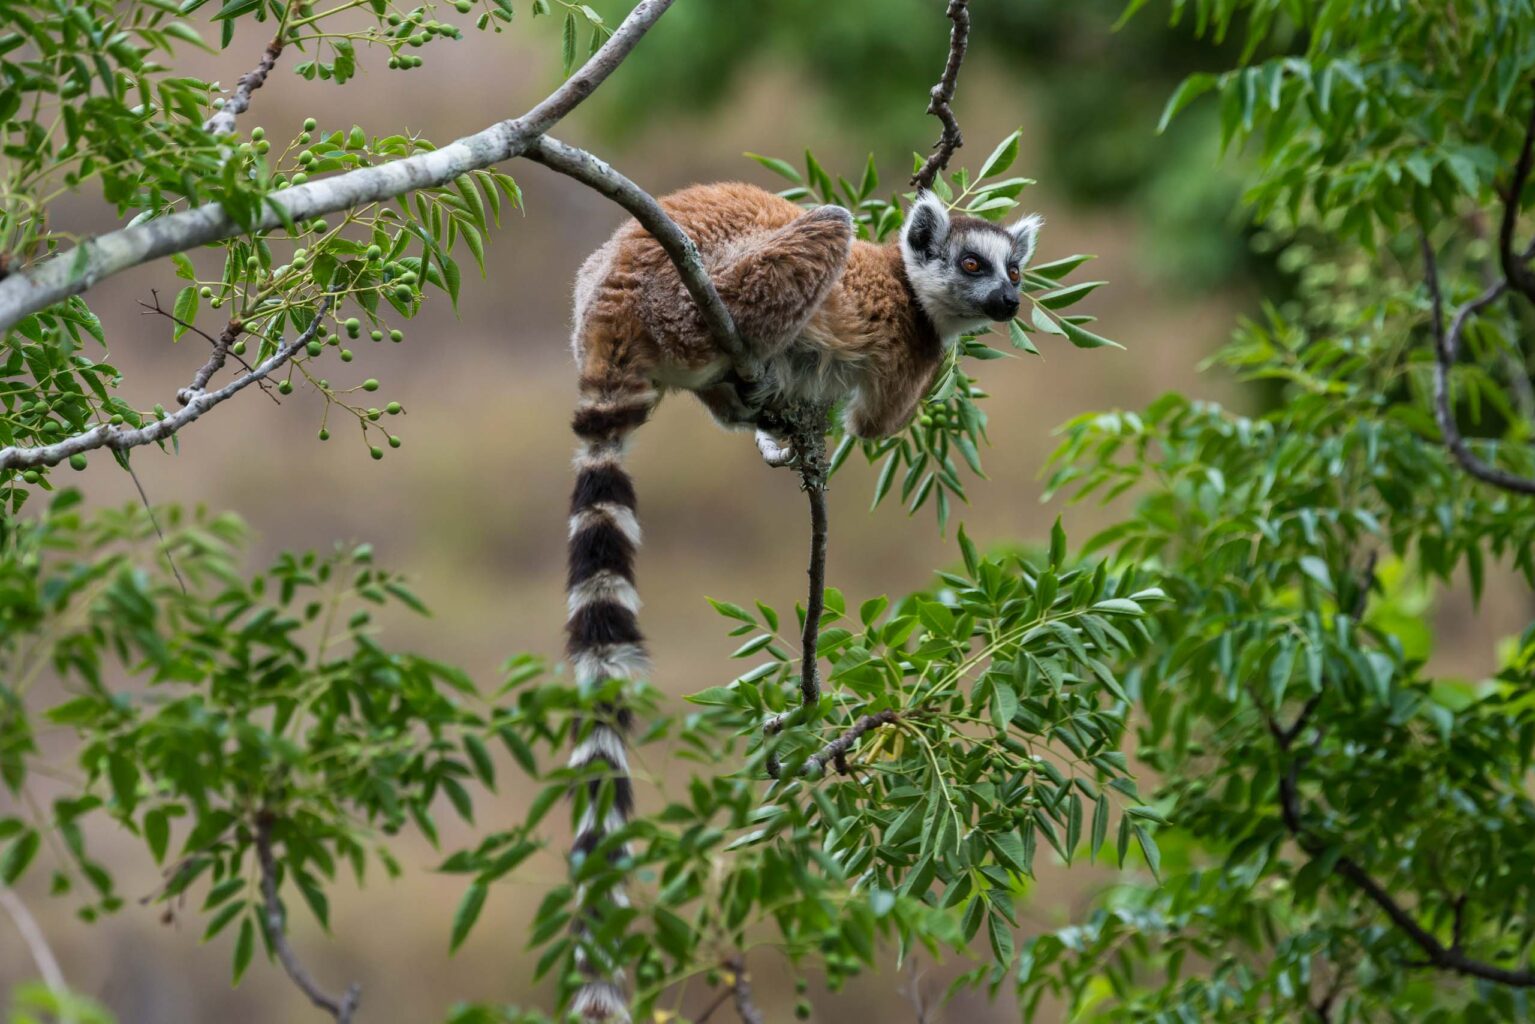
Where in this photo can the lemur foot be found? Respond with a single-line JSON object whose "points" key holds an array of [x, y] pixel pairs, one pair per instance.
{"points": [[775, 453]]}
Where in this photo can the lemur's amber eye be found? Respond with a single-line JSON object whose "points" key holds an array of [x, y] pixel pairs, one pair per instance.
{"points": [[1013, 275], [970, 265]]}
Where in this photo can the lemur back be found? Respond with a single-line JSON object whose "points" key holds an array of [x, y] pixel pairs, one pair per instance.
{"points": [[824, 317]]}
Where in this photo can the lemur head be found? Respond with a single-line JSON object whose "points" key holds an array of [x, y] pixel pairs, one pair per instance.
{"points": [[964, 270]]}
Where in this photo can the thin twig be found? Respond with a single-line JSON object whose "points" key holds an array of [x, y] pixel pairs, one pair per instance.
{"points": [[341, 1009], [205, 372], [223, 122], [1516, 270], [942, 95], [154, 520], [1446, 349], [121, 439], [74, 270], [741, 991], [159, 310], [1291, 812], [33, 938]]}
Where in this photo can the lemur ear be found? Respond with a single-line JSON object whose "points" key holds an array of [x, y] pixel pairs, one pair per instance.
{"points": [[1025, 232], [927, 226]]}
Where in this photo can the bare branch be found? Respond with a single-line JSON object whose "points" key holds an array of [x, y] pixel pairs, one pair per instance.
{"points": [[1291, 811], [160, 310], [77, 269], [341, 1009], [601, 176], [223, 122], [1446, 349], [199, 384], [33, 938], [121, 439], [942, 96], [741, 991], [836, 750], [1516, 270]]}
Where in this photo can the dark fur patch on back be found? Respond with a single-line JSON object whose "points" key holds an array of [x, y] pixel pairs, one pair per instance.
{"points": [[604, 483]]}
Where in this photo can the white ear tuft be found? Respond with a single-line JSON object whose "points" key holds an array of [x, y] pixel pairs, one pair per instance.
{"points": [[1025, 232], [926, 227]]}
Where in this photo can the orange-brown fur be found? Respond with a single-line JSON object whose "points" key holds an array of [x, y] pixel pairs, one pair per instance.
{"points": [[824, 315]]}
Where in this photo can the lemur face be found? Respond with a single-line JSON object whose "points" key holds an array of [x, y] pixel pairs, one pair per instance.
{"points": [[965, 271]]}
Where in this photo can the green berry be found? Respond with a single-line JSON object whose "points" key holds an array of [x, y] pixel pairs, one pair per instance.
{"points": [[801, 985], [306, 158], [31, 476], [303, 140], [314, 348], [353, 326], [802, 1009], [394, 442], [393, 408], [324, 434], [238, 348], [263, 147], [464, 6], [285, 387], [324, 384], [252, 263], [346, 355], [376, 452], [159, 411], [300, 178], [77, 462], [333, 339], [205, 292], [396, 335], [116, 420], [374, 414], [376, 335], [370, 384], [320, 226], [419, 39], [394, 19], [257, 134], [310, 124], [394, 63], [375, 253], [403, 293]]}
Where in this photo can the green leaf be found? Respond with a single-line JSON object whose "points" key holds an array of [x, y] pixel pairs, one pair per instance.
{"points": [[185, 310], [468, 912], [1001, 158]]}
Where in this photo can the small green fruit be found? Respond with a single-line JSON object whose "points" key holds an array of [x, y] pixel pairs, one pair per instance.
{"points": [[370, 384], [205, 292], [314, 348], [394, 442], [376, 335], [77, 462], [396, 335], [238, 348], [374, 414], [393, 408], [310, 124], [31, 476], [324, 434], [376, 452], [258, 133], [285, 387], [802, 1009], [346, 355]]}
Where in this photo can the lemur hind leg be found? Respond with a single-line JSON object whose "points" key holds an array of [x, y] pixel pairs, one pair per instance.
{"points": [[776, 284]]}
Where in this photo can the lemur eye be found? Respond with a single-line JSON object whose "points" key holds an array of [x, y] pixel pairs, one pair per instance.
{"points": [[1013, 275], [970, 265]]}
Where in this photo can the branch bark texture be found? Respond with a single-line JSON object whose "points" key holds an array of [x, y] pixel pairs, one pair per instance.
{"points": [[223, 122], [77, 269], [942, 96], [121, 439], [341, 1009]]}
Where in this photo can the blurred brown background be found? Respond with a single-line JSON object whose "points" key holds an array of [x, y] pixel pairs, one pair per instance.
{"points": [[473, 504]]}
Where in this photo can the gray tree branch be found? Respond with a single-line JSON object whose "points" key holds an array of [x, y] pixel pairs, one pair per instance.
{"points": [[77, 269], [223, 122], [942, 96], [605, 179], [122, 438], [341, 1009]]}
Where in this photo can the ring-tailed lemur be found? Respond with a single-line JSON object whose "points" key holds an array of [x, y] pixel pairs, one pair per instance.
{"points": [[825, 318]]}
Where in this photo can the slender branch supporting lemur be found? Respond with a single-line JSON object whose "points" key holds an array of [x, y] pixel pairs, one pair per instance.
{"points": [[1291, 811], [121, 438], [741, 991], [75, 270], [223, 122], [942, 95], [341, 1009], [602, 176], [33, 938]]}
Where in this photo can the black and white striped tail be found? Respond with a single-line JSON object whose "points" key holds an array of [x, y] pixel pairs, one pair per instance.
{"points": [[604, 643]]}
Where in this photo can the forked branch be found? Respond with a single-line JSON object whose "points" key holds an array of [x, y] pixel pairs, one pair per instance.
{"points": [[942, 97]]}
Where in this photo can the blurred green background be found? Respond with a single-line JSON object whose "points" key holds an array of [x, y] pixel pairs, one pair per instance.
{"points": [[473, 505]]}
